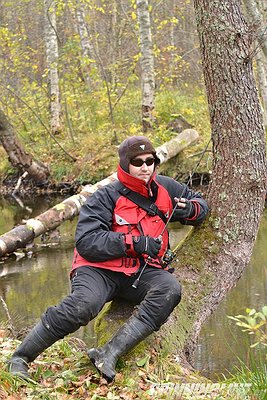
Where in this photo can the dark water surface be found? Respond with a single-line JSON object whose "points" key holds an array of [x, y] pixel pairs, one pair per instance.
{"points": [[32, 283], [221, 342]]}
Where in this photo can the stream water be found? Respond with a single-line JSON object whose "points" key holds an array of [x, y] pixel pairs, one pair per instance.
{"points": [[29, 284]]}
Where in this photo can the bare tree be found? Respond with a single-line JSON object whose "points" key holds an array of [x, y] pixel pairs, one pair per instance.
{"points": [[51, 41], [17, 156], [147, 64]]}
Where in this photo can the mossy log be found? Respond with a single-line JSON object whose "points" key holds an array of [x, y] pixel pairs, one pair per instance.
{"points": [[21, 235]]}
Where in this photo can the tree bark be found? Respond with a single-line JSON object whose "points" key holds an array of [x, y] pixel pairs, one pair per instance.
{"points": [[52, 64], [69, 208], [17, 156], [147, 64]]}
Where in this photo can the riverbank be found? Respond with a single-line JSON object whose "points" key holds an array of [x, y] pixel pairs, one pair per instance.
{"points": [[28, 188]]}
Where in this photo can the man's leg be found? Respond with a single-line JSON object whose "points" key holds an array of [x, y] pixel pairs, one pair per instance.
{"points": [[158, 293], [91, 289]]}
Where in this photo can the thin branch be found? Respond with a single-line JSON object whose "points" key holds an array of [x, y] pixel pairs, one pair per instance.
{"points": [[9, 319]]}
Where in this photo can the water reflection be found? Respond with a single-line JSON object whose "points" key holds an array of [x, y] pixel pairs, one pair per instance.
{"points": [[31, 283], [11, 213]]}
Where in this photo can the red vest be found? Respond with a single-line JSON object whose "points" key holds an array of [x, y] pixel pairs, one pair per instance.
{"points": [[132, 220]]}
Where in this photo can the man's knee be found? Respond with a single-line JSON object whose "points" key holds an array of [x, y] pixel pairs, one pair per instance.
{"points": [[69, 315], [173, 293], [169, 288], [82, 311], [86, 311], [160, 301]]}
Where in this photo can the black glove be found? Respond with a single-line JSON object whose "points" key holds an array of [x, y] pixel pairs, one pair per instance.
{"points": [[147, 245], [185, 209]]}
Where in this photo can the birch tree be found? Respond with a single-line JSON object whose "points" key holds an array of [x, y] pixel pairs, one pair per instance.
{"points": [[113, 42], [52, 64], [86, 45], [147, 64]]}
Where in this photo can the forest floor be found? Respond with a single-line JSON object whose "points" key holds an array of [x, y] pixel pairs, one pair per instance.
{"points": [[65, 372]]}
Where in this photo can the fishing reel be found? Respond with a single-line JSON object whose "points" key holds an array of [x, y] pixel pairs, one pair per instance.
{"points": [[167, 259]]}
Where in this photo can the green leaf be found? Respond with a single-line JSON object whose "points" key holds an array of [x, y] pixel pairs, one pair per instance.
{"points": [[142, 361]]}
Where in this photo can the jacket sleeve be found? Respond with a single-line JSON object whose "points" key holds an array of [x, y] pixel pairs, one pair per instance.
{"points": [[176, 189], [95, 240]]}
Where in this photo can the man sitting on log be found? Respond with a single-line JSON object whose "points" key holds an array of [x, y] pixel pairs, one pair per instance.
{"points": [[121, 245]]}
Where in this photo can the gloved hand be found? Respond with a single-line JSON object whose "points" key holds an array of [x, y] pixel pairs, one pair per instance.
{"points": [[185, 208], [147, 245]]}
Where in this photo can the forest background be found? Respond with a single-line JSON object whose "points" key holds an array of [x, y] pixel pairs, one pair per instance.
{"points": [[73, 86], [73, 81], [96, 62]]}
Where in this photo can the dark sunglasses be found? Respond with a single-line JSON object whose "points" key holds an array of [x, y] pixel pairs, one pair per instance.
{"points": [[138, 162]]}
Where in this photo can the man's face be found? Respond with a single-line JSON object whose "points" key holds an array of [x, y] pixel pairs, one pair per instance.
{"points": [[141, 170]]}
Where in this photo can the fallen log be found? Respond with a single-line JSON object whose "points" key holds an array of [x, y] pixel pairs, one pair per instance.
{"points": [[21, 235]]}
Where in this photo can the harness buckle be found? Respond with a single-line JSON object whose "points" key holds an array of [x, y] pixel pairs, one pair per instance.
{"points": [[152, 210]]}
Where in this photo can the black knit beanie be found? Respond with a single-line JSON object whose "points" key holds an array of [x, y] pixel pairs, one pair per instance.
{"points": [[135, 146]]}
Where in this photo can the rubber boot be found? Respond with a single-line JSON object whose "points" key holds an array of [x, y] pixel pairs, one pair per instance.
{"points": [[129, 335], [37, 340]]}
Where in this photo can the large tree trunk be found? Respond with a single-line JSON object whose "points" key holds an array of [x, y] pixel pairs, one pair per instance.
{"points": [[147, 64], [23, 234], [17, 156], [222, 248], [52, 64]]}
